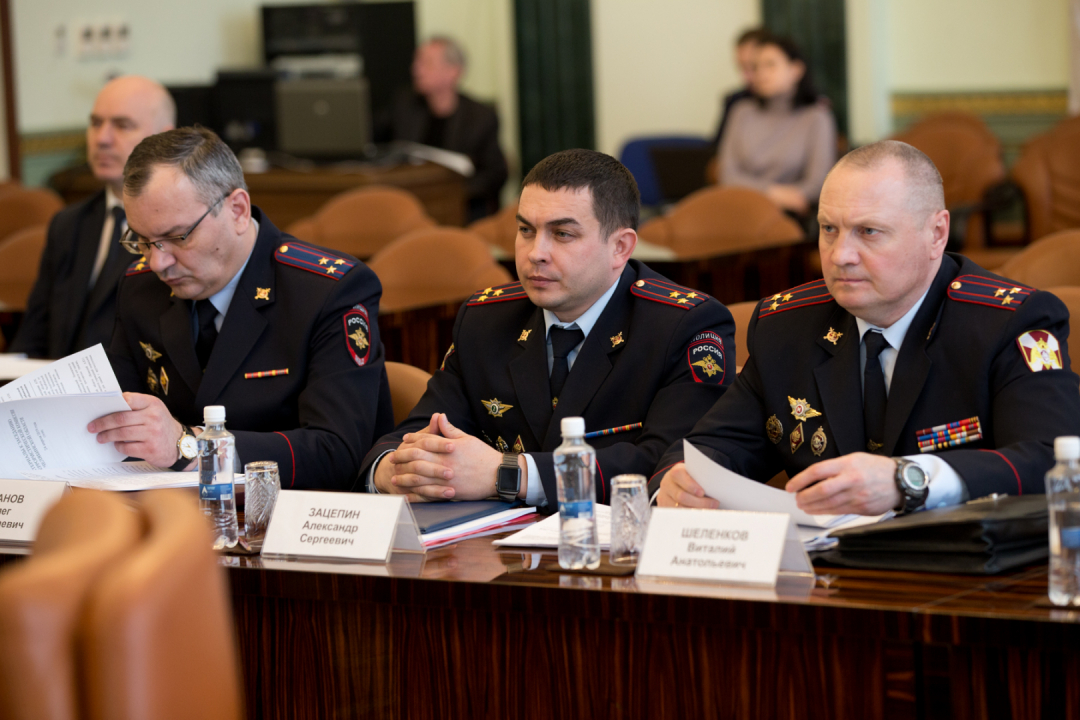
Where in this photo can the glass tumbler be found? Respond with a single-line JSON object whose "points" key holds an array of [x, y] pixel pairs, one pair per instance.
{"points": [[629, 518], [261, 487]]}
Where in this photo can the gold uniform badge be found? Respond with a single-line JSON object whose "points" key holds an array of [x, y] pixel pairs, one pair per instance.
{"points": [[774, 430], [818, 441], [151, 354], [262, 293], [801, 409], [495, 408]]}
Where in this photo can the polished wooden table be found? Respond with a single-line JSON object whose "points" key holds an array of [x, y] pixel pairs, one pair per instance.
{"points": [[469, 631], [289, 195]]}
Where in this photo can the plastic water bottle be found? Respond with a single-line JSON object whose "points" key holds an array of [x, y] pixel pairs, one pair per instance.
{"points": [[1063, 496], [217, 462], [575, 463]]}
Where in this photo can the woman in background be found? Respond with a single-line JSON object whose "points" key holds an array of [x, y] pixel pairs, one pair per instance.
{"points": [[781, 141]]}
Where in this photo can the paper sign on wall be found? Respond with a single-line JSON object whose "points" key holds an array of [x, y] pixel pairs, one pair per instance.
{"points": [[723, 546], [349, 526]]}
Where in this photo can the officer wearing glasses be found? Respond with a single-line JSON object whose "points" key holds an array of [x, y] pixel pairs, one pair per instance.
{"points": [[222, 308]]}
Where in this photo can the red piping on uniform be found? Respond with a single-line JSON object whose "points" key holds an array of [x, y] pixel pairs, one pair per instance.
{"points": [[601, 473], [661, 470], [293, 481], [1019, 487]]}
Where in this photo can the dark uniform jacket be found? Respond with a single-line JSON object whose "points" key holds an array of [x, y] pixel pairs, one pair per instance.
{"points": [[967, 354], [472, 130], [659, 353], [61, 293], [297, 307]]}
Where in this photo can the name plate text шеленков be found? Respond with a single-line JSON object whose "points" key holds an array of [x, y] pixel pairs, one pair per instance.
{"points": [[23, 503], [721, 546], [351, 526]]}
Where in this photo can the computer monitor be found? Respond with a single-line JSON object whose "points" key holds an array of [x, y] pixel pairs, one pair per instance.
{"points": [[323, 118], [244, 109]]}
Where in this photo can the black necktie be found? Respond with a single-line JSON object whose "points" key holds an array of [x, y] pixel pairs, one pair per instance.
{"points": [[204, 343], [563, 340], [875, 397]]}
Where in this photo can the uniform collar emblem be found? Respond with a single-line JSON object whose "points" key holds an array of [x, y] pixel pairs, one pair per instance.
{"points": [[801, 409], [495, 407]]}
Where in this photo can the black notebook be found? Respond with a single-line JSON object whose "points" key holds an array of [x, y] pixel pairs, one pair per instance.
{"points": [[432, 517]]}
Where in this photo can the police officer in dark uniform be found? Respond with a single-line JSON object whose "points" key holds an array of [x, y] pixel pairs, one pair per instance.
{"points": [[906, 378], [225, 309], [587, 332]]}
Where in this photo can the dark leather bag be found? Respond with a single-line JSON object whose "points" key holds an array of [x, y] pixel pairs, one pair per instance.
{"points": [[983, 537]]}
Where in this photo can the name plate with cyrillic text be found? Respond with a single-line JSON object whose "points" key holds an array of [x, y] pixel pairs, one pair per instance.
{"points": [[23, 503], [348, 526], [721, 546]]}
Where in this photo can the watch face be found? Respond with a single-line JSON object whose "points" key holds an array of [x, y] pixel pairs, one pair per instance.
{"points": [[189, 447], [914, 477]]}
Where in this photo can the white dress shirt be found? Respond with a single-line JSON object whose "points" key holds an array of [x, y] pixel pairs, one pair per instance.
{"points": [[946, 487], [223, 297]]}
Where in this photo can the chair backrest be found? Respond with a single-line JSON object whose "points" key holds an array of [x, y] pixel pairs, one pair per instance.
{"points": [[636, 156], [1070, 295], [499, 229], [742, 313], [1050, 261], [434, 266], [721, 220], [361, 222], [158, 638], [20, 259], [1048, 173], [25, 207], [407, 386], [42, 599], [965, 151]]}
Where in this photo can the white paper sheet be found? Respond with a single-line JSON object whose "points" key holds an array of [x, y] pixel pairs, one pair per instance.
{"points": [[122, 477], [545, 534], [87, 372]]}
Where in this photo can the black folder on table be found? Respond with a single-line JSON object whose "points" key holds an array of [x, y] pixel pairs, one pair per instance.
{"points": [[432, 517], [982, 537]]}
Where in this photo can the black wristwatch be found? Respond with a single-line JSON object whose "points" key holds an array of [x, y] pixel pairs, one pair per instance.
{"points": [[508, 478], [187, 448], [914, 485]]}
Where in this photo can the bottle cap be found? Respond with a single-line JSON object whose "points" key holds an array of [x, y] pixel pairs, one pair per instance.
{"points": [[573, 426], [214, 414], [1067, 448]]}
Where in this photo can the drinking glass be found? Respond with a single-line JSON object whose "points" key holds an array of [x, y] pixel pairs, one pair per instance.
{"points": [[261, 487], [629, 518]]}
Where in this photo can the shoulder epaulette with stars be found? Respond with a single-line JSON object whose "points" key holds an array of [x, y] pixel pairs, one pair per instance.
{"points": [[138, 267], [812, 293], [668, 293], [315, 260], [993, 292], [497, 294]]}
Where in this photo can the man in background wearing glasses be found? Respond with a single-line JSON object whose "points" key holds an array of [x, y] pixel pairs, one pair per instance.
{"points": [[73, 302], [222, 308]]}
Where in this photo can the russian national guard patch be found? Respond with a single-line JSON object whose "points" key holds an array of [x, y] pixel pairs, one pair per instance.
{"points": [[705, 356], [1041, 350], [358, 334]]}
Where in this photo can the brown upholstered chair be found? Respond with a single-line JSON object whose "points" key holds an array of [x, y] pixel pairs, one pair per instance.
{"points": [[42, 599], [721, 220], [25, 207], [407, 386], [742, 313], [499, 229], [1052, 260], [1048, 173], [158, 638], [1070, 295], [968, 156], [361, 222], [434, 266], [20, 258]]}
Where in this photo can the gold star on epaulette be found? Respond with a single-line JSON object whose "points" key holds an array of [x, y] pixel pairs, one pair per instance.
{"points": [[482, 298], [673, 294], [774, 305], [693, 296], [999, 292], [323, 261], [330, 271], [682, 301], [1016, 290], [339, 261], [1007, 300], [787, 297], [487, 291], [497, 293], [775, 297], [140, 266]]}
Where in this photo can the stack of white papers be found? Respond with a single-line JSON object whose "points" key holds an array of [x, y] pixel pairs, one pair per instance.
{"points": [[121, 477], [545, 534]]}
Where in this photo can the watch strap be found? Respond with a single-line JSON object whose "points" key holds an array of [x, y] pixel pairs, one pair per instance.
{"points": [[910, 499], [181, 461], [508, 478]]}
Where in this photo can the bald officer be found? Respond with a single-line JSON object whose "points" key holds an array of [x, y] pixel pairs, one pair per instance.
{"points": [[73, 303], [907, 378]]}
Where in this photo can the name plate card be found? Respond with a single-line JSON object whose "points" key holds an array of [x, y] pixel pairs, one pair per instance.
{"points": [[347, 526], [721, 546], [23, 504]]}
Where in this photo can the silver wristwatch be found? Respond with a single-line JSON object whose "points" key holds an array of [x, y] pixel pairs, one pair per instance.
{"points": [[914, 485]]}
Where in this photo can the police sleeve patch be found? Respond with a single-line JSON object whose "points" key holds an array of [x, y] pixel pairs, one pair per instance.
{"points": [[358, 334], [705, 356], [1041, 350]]}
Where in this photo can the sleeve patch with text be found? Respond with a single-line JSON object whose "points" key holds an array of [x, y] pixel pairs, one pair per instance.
{"points": [[358, 334], [705, 356]]}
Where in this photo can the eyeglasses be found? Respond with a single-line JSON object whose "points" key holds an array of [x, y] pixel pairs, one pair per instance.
{"points": [[135, 245]]}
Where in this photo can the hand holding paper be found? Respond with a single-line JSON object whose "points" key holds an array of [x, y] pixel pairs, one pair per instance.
{"points": [[858, 483]]}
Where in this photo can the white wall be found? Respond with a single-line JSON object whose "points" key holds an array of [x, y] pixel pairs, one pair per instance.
{"points": [[663, 66]]}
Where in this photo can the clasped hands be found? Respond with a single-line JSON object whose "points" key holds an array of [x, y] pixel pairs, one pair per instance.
{"points": [[442, 462], [858, 483], [147, 431]]}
